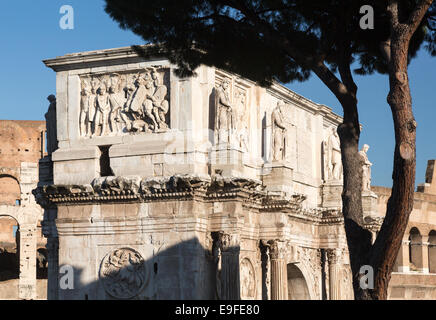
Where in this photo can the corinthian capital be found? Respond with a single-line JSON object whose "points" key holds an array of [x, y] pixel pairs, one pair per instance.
{"points": [[227, 242], [277, 249], [334, 255]]}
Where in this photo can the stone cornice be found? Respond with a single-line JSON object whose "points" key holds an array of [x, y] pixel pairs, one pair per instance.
{"points": [[95, 58], [133, 188], [293, 207], [181, 188]]}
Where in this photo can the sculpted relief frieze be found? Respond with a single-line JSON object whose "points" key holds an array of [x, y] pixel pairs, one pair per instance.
{"points": [[232, 116], [123, 273], [248, 280], [119, 103]]}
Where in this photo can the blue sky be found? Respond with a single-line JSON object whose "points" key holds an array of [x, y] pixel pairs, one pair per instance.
{"points": [[30, 32]]}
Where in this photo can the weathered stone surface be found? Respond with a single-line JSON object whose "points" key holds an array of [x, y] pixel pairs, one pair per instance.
{"points": [[202, 188], [22, 145]]}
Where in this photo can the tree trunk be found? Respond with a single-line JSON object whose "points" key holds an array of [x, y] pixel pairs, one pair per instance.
{"points": [[400, 203], [358, 238]]}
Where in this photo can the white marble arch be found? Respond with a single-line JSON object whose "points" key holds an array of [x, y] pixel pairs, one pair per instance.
{"points": [[308, 277]]}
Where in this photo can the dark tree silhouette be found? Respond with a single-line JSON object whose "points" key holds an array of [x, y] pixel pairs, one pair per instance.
{"points": [[288, 40]]}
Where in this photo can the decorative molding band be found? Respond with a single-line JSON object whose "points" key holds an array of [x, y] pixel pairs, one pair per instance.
{"points": [[182, 188], [133, 188]]}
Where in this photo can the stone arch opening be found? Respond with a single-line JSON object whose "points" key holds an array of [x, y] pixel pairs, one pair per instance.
{"points": [[415, 250], [41, 263], [297, 284], [10, 190], [432, 251], [9, 248]]}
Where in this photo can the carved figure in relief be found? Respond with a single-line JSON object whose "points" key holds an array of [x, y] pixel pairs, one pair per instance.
{"points": [[123, 273], [279, 132], [148, 105], [117, 103], [248, 283], [224, 113], [242, 120], [366, 168], [160, 105], [86, 103], [117, 100], [103, 108], [93, 101], [141, 105]]}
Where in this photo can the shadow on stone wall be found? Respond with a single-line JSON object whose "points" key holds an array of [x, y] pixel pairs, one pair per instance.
{"points": [[185, 271]]}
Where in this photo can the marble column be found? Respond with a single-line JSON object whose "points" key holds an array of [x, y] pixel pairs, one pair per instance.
{"points": [[229, 247], [334, 274], [279, 274]]}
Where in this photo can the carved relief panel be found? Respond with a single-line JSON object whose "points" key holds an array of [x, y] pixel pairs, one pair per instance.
{"points": [[232, 114], [119, 103], [248, 280], [123, 273]]}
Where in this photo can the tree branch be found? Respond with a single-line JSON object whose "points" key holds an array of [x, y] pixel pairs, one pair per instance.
{"points": [[274, 9], [316, 64], [417, 15], [393, 13]]}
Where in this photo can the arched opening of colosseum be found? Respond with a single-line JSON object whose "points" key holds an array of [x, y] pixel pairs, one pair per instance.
{"points": [[297, 285], [432, 251], [10, 190], [415, 250], [9, 249]]}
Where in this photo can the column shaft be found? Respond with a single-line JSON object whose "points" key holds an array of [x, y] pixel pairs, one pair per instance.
{"points": [[279, 280], [230, 276]]}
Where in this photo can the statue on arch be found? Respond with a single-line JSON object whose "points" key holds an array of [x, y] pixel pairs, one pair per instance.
{"points": [[333, 158], [223, 113], [279, 132], [366, 168], [50, 118]]}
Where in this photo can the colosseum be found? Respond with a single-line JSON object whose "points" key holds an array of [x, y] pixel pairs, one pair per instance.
{"points": [[23, 252]]}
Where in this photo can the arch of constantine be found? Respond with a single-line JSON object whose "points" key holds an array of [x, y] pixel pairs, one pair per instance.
{"points": [[210, 187]]}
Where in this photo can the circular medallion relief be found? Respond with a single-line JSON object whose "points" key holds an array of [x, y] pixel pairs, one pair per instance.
{"points": [[248, 280], [123, 273]]}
